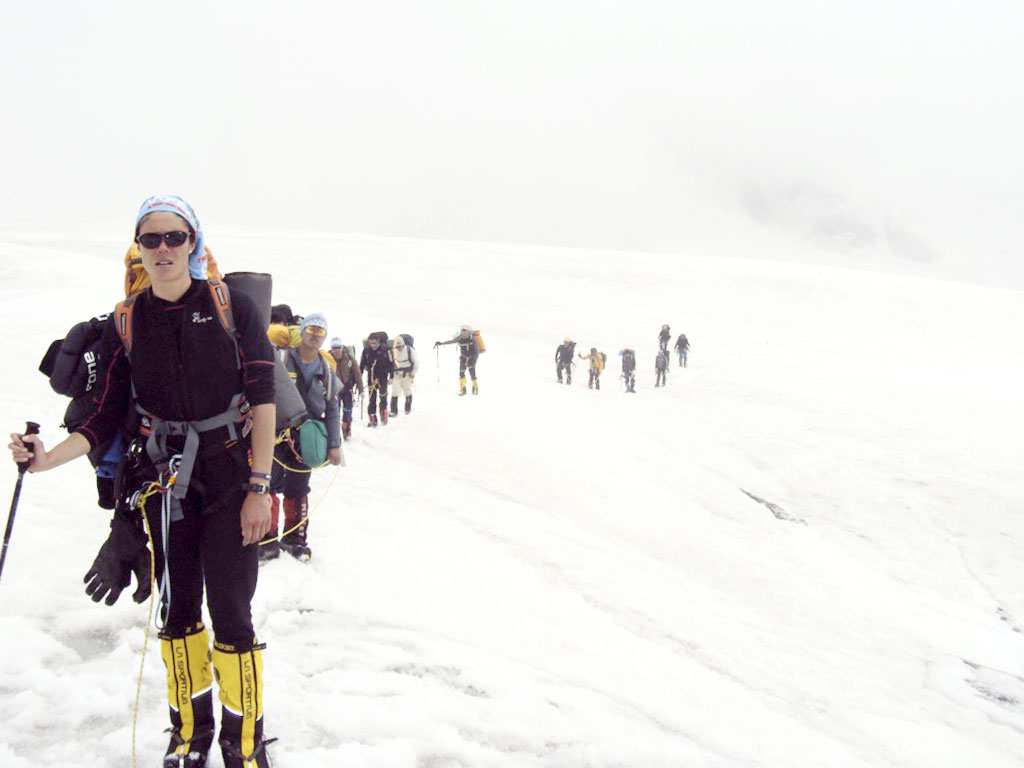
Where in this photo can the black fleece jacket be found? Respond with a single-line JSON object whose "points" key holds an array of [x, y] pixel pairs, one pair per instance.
{"points": [[182, 364]]}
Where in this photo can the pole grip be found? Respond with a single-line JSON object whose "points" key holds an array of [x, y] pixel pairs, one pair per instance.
{"points": [[31, 428]]}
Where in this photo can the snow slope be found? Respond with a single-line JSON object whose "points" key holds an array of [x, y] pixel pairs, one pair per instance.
{"points": [[805, 551]]}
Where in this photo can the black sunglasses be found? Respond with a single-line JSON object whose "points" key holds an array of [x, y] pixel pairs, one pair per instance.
{"points": [[173, 239]]}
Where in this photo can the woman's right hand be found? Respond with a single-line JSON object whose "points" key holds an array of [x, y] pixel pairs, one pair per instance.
{"points": [[29, 448]]}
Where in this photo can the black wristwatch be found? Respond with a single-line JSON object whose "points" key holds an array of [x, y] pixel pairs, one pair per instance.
{"points": [[255, 488]]}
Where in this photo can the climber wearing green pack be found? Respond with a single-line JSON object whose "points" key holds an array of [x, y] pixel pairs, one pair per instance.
{"points": [[319, 440]]}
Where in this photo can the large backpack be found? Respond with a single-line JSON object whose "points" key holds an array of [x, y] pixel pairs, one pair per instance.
{"points": [[410, 355]]}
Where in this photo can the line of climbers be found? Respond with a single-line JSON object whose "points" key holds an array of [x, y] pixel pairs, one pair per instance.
{"points": [[177, 398], [565, 361], [327, 379]]}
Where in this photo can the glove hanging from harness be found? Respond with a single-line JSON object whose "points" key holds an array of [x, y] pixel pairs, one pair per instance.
{"points": [[123, 553]]}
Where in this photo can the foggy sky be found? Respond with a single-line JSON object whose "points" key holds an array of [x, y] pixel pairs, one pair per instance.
{"points": [[845, 128]]}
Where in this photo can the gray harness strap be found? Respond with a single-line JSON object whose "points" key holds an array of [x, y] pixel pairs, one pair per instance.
{"points": [[156, 445]]}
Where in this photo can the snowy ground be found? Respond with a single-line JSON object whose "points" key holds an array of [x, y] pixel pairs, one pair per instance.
{"points": [[808, 550]]}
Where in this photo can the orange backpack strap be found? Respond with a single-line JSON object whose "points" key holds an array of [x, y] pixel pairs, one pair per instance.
{"points": [[123, 322], [222, 301]]}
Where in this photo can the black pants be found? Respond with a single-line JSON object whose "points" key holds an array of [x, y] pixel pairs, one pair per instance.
{"points": [[659, 377], [467, 361], [293, 478], [378, 388], [205, 549], [563, 366], [595, 378]]}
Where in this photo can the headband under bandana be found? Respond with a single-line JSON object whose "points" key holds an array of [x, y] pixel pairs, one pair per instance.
{"points": [[174, 204]]}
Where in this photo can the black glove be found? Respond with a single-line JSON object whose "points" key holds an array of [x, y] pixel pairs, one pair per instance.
{"points": [[437, 344], [123, 552]]}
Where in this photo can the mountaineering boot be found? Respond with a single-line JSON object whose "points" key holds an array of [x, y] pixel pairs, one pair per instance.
{"points": [[346, 429], [189, 697], [240, 678], [270, 546], [383, 413], [233, 757], [597, 383], [373, 419], [394, 405], [408, 404], [476, 390], [296, 514], [462, 385]]}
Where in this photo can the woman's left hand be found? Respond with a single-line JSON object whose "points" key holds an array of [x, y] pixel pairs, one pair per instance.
{"points": [[334, 456], [255, 517]]}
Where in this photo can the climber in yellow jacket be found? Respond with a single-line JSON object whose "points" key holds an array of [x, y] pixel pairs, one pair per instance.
{"points": [[596, 366]]}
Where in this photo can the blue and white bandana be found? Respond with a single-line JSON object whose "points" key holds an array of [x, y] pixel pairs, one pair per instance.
{"points": [[174, 204]]}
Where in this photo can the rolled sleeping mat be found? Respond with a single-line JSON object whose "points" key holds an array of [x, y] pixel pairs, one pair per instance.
{"points": [[291, 410], [257, 286]]}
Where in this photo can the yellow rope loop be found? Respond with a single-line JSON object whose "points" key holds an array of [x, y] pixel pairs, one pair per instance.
{"points": [[296, 470], [309, 512], [285, 436]]}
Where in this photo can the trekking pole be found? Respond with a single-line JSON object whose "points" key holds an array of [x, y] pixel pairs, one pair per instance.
{"points": [[31, 428], [437, 364]]}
